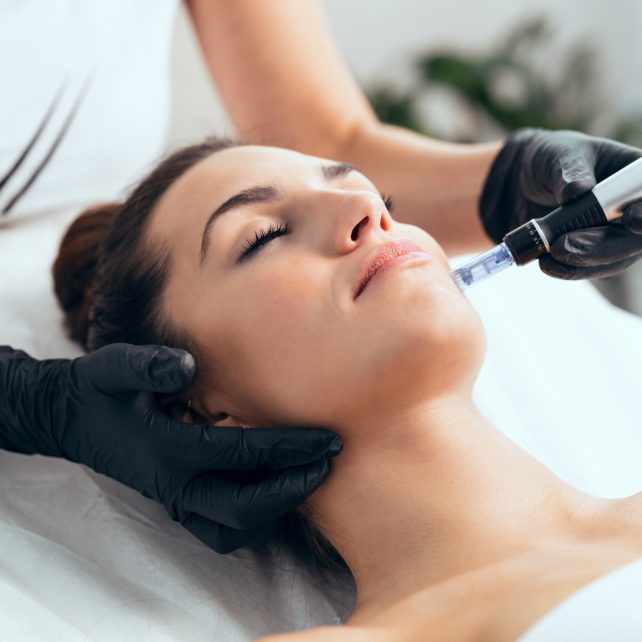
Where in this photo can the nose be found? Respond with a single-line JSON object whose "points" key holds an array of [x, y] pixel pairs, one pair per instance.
{"points": [[360, 216]]}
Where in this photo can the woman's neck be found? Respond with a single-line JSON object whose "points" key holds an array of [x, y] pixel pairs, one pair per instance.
{"points": [[417, 499]]}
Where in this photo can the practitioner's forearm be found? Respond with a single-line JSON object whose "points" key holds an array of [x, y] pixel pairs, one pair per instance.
{"points": [[435, 184]]}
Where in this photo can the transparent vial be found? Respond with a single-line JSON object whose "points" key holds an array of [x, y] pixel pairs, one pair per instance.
{"points": [[482, 266]]}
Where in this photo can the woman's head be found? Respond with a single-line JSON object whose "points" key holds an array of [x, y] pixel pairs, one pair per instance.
{"points": [[281, 337], [278, 335]]}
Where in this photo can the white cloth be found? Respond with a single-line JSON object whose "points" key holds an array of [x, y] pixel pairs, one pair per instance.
{"points": [[606, 609], [107, 63]]}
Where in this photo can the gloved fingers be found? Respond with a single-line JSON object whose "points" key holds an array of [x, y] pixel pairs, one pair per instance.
{"points": [[612, 156], [235, 448], [276, 446], [553, 268], [568, 189], [224, 539], [574, 172], [632, 218], [596, 246], [581, 162], [245, 506], [122, 367]]}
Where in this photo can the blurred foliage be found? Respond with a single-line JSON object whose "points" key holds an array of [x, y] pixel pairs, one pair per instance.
{"points": [[507, 89]]}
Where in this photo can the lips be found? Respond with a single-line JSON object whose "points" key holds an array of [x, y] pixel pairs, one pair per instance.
{"points": [[379, 256]]}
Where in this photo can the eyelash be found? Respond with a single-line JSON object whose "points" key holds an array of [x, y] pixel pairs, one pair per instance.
{"points": [[388, 202], [262, 237], [265, 236]]}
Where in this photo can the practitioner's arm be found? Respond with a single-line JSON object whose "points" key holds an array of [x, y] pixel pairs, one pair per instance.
{"points": [[342, 634], [283, 82], [359, 634]]}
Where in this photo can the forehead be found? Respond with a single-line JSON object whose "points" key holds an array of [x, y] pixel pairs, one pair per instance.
{"points": [[204, 186]]}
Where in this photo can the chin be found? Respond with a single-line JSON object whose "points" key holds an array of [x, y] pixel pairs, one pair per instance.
{"points": [[423, 298], [432, 342]]}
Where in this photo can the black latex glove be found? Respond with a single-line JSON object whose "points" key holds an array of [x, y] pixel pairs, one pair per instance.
{"points": [[100, 410], [536, 171]]}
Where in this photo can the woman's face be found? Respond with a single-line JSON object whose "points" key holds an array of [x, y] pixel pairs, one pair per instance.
{"points": [[285, 342]]}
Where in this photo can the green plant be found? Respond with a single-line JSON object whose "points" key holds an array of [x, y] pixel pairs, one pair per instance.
{"points": [[512, 86]]}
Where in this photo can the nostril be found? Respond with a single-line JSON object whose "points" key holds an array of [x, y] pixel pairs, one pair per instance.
{"points": [[355, 229]]}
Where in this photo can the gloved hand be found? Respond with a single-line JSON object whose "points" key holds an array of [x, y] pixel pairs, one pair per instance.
{"points": [[537, 170], [99, 410]]}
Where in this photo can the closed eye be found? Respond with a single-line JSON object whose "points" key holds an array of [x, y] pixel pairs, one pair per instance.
{"points": [[263, 237]]}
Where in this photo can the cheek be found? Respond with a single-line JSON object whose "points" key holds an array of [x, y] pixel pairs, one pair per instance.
{"points": [[293, 356], [282, 350]]}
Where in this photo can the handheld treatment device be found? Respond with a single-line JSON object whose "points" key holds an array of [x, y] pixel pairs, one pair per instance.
{"points": [[598, 206]]}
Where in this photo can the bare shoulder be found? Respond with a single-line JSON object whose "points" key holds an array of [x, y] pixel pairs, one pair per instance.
{"points": [[337, 634]]}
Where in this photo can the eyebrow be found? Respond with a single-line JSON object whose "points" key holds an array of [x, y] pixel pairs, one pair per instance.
{"points": [[261, 194]]}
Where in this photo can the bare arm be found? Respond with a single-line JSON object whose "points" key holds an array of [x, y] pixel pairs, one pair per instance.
{"points": [[283, 82], [337, 634]]}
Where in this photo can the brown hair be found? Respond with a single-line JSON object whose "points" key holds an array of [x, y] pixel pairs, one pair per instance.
{"points": [[109, 285], [75, 267]]}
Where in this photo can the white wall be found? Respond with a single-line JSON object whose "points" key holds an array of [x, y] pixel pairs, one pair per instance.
{"points": [[377, 38]]}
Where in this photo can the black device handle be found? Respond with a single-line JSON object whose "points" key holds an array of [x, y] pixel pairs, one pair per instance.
{"points": [[532, 239]]}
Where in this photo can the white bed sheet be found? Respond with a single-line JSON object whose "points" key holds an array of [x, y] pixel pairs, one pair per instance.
{"points": [[84, 558]]}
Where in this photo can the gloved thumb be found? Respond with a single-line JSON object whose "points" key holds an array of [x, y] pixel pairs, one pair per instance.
{"points": [[632, 218], [576, 177], [122, 367]]}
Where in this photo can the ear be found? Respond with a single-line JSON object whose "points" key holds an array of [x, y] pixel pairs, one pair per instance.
{"points": [[208, 411], [226, 420], [176, 408]]}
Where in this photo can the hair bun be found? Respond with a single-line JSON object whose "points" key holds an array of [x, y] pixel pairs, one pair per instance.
{"points": [[74, 269]]}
